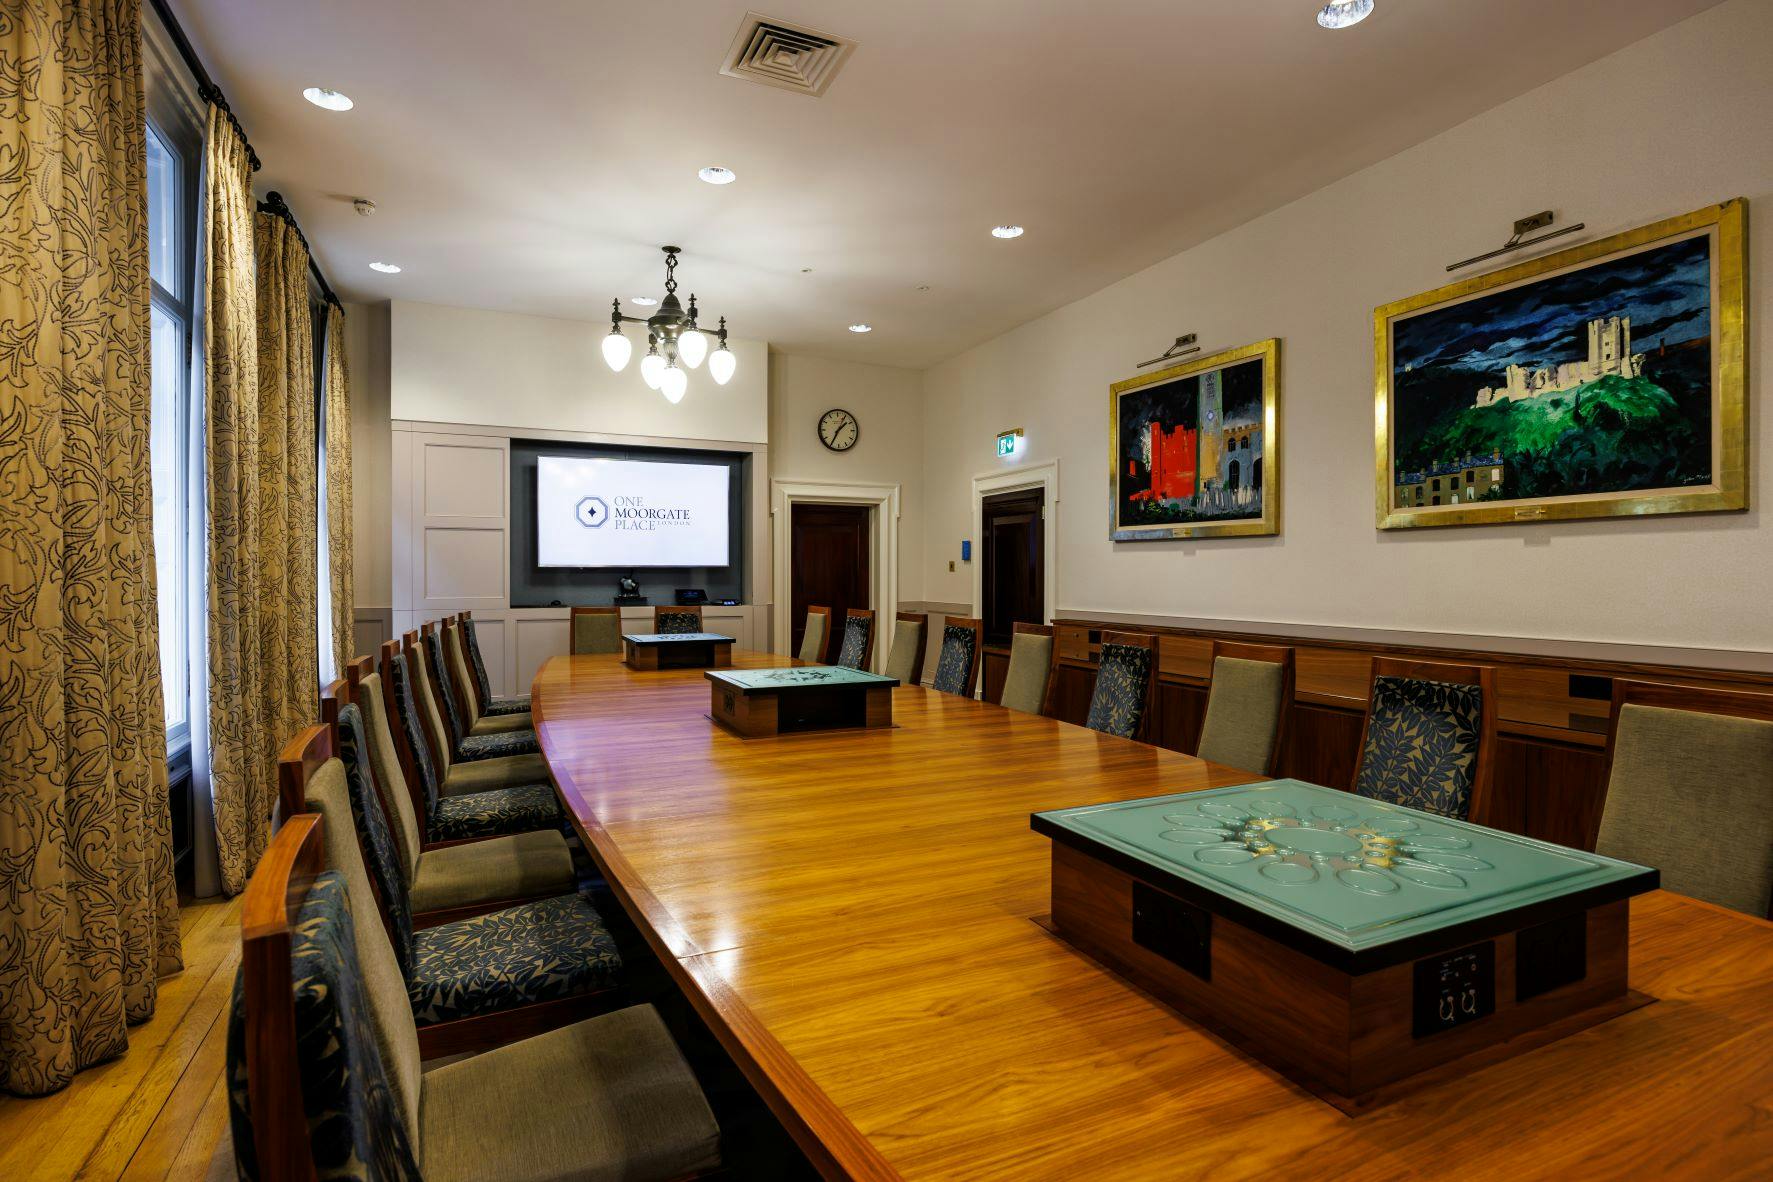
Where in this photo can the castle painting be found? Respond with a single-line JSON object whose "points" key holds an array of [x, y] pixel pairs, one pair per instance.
{"points": [[1192, 450], [1601, 380]]}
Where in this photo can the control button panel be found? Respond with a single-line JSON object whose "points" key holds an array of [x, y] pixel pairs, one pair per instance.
{"points": [[1454, 988]]}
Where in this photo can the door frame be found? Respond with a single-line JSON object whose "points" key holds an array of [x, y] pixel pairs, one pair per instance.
{"points": [[987, 484], [883, 527]]}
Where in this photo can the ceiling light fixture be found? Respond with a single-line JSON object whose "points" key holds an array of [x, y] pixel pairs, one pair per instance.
{"points": [[861, 328], [1006, 231], [674, 342], [332, 100], [1344, 13], [714, 174], [385, 268]]}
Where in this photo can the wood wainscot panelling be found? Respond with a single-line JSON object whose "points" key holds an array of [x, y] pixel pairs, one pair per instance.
{"points": [[1552, 712]]}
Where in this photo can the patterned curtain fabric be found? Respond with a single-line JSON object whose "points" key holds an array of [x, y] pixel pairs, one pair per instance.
{"points": [[88, 909], [339, 538], [242, 749]]}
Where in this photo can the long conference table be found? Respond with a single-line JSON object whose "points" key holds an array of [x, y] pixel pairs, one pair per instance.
{"points": [[854, 916]]}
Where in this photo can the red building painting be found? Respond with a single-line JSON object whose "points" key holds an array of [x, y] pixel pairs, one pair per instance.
{"points": [[1174, 464]]}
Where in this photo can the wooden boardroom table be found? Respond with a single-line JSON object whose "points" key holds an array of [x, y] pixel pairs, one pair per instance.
{"points": [[853, 914]]}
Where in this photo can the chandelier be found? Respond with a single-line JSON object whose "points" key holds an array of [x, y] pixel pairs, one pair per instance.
{"points": [[674, 342]]}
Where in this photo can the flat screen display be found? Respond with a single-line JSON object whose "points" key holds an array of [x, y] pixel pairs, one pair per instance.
{"points": [[622, 513]]}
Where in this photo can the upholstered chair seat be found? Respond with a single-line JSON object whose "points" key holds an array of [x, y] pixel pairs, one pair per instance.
{"points": [[495, 813], [534, 952], [486, 775], [606, 1098], [1031, 666], [905, 658], [1244, 705], [498, 745], [1123, 684], [609, 1098], [489, 705], [1422, 744], [1691, 793]]}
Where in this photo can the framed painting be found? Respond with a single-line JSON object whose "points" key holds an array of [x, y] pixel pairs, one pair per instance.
{"points": [[1193, 451], [1605, 380]]}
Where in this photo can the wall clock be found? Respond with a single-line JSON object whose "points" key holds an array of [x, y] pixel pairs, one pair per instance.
{"points": [[838, 430]]}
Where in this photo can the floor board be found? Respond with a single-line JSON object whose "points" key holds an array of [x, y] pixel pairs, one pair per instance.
{"points": [[159, 1111]]}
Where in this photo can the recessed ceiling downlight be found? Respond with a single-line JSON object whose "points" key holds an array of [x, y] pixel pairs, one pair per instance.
{"points": [[332, 100], [386, 268], [1344, 13], [1006, 231], [716, 175], [861, 328]]}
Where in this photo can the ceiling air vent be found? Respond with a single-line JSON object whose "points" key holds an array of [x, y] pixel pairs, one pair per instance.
{"points": [[787, 56]]}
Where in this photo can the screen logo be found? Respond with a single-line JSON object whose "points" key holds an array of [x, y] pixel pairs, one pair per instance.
{"points": [[591, 512]]}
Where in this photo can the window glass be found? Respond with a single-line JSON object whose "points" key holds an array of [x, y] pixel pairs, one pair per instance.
{"points": [[166, 433], [163, 214]]}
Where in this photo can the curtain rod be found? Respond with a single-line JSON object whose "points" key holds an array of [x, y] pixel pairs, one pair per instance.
{"points": [[276, 206], [209, 92]]}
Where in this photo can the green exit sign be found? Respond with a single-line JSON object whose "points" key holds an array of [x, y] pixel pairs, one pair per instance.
{"points": [[1006, 442]]}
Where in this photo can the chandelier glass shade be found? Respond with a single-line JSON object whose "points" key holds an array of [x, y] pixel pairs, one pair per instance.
{"points": [[675, 343]]}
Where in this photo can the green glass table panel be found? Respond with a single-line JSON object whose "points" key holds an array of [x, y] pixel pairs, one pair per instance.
{"points": [[1356, 872], [676, 637], [802, 678]]}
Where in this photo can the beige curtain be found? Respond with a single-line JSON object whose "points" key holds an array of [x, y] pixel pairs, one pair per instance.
{"points": [[242, 749], [88, 910], [338, 486], [289, 541]]}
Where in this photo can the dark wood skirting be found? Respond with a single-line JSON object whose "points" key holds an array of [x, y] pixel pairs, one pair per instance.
{"points": [[1551, 756]]}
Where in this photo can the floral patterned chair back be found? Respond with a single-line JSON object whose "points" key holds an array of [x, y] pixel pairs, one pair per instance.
{"points": [[857, 631], [1123, 688], [678, 622], [957, 663], [1423, 744]]}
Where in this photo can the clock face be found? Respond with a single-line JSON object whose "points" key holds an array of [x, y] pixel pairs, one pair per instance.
{"points": [[838, 430]]}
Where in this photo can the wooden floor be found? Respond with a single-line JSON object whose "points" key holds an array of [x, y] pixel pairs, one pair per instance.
{"points": [[159, 1111]]}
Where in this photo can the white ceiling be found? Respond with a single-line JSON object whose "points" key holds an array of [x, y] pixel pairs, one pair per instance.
{"points": [[532, 155]]}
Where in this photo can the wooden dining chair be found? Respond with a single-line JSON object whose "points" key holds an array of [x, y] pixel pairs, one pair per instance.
{"points": [[1429, 739], [817, 632], [596, 630], [488, 705], [324, 1055], [957, 661], [1034, 657], [857, 649], [905, 658], [1249, 703], [1681, 761], [1126, 685], [677, 618]]}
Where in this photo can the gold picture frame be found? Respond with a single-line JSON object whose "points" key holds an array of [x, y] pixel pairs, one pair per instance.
{"points": [[1225, 464], [1405, 503]]}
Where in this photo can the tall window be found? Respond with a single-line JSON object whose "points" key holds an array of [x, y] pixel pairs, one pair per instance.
{"points": [[174, 154]]}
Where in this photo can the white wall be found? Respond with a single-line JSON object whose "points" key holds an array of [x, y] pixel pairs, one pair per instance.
{"points": [[474, 367], [1667, 125], [888, 405]]}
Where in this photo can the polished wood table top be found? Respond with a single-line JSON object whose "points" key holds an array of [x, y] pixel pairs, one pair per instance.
{"points": [[854, 914]]}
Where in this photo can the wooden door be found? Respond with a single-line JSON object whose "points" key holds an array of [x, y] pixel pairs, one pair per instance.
{"points": [[1013, 575], [828, 566]]}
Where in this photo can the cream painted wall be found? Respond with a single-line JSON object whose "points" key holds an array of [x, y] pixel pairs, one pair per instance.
{"points": [[366, 350], [1667, 125], [470, 366], [888, 405]]}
